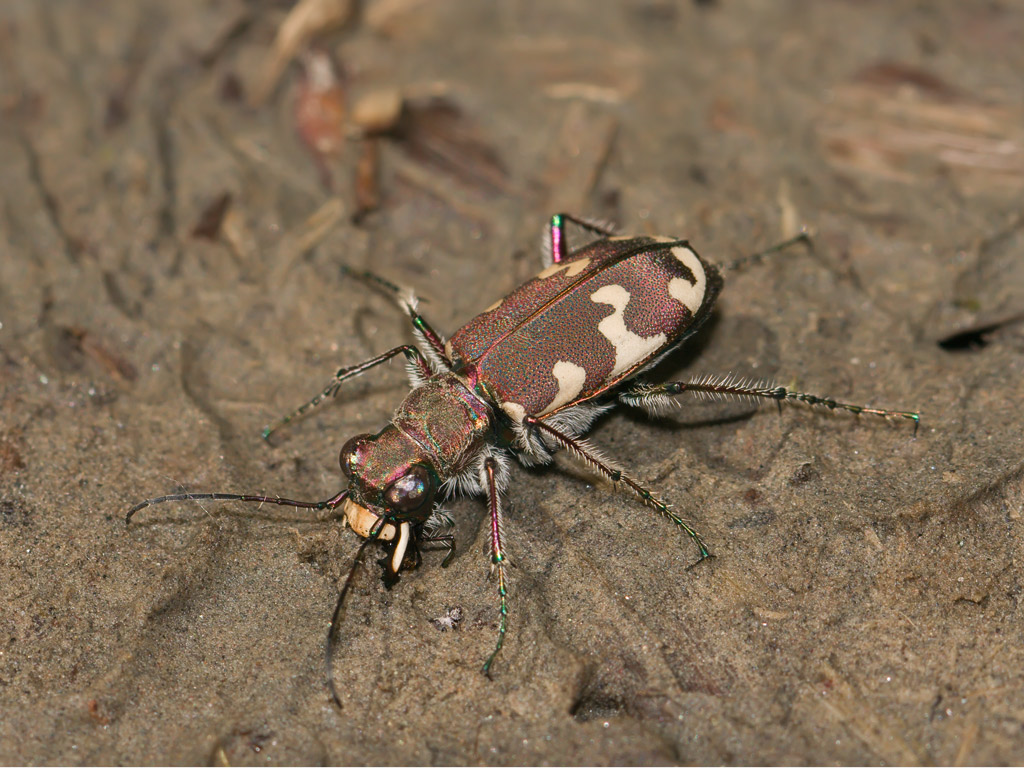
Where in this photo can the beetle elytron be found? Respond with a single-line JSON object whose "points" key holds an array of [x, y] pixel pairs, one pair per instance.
{"points": [[525, 378]]}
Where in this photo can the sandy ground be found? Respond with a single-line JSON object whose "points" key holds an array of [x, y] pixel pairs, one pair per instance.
{"points": [[864, 603]]}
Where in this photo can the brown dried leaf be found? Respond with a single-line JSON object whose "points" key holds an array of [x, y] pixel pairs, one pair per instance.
{"points": [[75, 340], [320, 109], [306, 20], [894, 75], [377, 111], [436, 133], [307, 236], [367, 175], [208, 226]]}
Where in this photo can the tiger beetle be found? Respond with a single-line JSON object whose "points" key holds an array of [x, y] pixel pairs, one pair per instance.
{"points": [[525, 378]]}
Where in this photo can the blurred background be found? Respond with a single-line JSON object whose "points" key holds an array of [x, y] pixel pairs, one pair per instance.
{"points": [[180, 184]]}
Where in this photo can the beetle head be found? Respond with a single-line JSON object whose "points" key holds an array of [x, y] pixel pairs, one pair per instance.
{"points": [[392, 486]]}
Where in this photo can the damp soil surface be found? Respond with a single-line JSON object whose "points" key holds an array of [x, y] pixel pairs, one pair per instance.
{"points": [[177, 200]]}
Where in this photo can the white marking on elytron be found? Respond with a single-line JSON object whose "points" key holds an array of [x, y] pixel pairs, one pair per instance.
{"points": [[690, 295], [515, 411], [361, 521], [572, 268], [448, 348], [400, 546], [493, 307], [570, 379], [663, 239], [615, 238], [630, 348]]}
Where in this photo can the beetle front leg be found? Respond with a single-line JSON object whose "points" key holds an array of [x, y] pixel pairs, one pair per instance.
{"points": [[582, 450], [656, 399], [447, 540], [433, 341], [498, 557], [412, 354]]}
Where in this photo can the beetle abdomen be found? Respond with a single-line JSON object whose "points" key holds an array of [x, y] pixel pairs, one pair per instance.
{"points": [[588, 323]]}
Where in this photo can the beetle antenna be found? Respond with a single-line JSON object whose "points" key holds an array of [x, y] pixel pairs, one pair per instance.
{"points": [[330, 503]]}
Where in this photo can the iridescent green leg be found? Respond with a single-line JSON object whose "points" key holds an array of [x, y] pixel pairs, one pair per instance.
{"points": [[656, 398], [582, 451], [497, 557], [408, 302], [412, 354], [556, 233]]}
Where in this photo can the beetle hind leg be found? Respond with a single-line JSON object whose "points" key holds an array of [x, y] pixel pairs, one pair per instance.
{"points": [[555, 244], [756, 258], [656, 399]]}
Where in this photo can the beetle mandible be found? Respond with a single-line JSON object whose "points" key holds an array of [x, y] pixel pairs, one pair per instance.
{"points": [[525, 378]]}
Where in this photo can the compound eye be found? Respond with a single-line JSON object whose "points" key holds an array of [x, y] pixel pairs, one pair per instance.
{"points": [[410, 491], [353, 454]]}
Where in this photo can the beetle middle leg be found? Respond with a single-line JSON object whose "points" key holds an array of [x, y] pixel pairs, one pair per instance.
{"points": [[417, 363], [498, 557], [583, 451]]}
